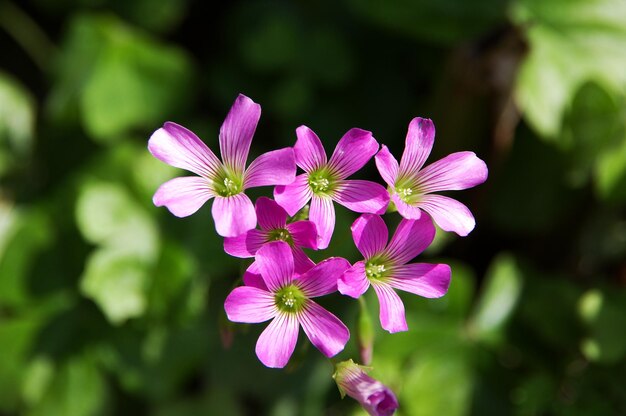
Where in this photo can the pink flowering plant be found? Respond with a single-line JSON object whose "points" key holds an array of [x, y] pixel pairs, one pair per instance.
{"points": [[281, 282]]}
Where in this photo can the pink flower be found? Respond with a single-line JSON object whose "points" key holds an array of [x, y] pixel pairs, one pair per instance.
{"points": [[232, 210], [286, 300], [325, 181], [376, 398], [273, 223], [411, 186], [385, 268]]}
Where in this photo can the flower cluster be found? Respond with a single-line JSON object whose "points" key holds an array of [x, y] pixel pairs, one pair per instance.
{"points": [[281, 283]]}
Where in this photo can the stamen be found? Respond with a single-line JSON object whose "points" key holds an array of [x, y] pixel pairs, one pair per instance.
{"points": [[290, 299], [321, 181], [320, 185], [375, 271]]}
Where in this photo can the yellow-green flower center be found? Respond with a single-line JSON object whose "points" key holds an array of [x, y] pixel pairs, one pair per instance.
{"points": [[227, 184], [376, 269], [280, 234], [290, 299], [408, 191], [321, 182]]}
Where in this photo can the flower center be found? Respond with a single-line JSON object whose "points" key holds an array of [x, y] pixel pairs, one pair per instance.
{"points": [[280, 234], [407, 191], [227, 184], [290, 299], [376, 270], [320, 182]]}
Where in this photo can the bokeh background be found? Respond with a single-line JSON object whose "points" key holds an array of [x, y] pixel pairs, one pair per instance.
{"points": [[111, 306]]}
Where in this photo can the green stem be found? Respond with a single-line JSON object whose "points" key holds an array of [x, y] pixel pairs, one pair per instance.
{"points": [[26, 33]]}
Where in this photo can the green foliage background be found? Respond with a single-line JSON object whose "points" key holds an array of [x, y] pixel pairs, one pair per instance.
{"points": [[111, 306]]}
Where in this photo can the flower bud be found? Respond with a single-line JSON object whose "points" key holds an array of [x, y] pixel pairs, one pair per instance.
{"points": [[376, 398]]}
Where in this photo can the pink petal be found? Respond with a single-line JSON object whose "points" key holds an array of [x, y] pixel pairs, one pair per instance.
{"points": [[304, 234], [250, 305], [237, 131], [277, 167], [275, 262], [183, 196], [410, 212], [391, 314], [294, 196], [309, 151], [301, 262], [233, 215], [353, 151], [362, 196], [456, 171], [387, 166], [322, 278], [428, 280], [324, 330], [246, 244], [448, 213], [181, 148], [322, 214], [418, 144], [370, 235], [269, 214], [411, 238], [277, 342], [353, 282], [252, 277]]}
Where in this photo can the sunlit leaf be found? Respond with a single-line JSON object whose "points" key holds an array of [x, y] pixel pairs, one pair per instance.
{"points": [[37, 378], [499, 295], [128, 80], [106, 214], [571, 41], [17, 121], [117, 282]]}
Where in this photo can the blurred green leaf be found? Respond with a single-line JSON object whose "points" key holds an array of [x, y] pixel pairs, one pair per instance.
{"points": [[571, 41], [420, 393], [117, 282], [604, 313], [23, 235], [124, 80], [534, 395], [611, 173], [157, 15], [456, 303], [445, 21], [218, 401], [106, 214], [549, 302], [37, 378], [17, 122], [16, 337], [499, 295], [174, 272], [78, 389], [593, 126]]}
